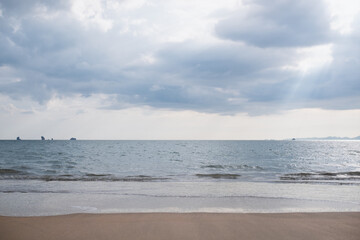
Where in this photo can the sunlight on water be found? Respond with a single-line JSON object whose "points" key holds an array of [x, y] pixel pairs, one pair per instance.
{"points": [[57, 177]]}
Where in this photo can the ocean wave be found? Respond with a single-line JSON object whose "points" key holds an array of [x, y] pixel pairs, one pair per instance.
{"points": [[86, 178], [6, 171], [218, 176], [97, 175], [323, 182], [308, 176], [239, 166]]}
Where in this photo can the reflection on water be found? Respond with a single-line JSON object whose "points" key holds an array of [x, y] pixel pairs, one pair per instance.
{"points": [[141, 161]]}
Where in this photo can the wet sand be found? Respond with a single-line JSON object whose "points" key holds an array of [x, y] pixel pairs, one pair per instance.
{"points": [[183, 226]]}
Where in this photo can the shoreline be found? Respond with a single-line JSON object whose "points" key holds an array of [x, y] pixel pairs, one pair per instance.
{"points": [[35, 198], [324, 225]]}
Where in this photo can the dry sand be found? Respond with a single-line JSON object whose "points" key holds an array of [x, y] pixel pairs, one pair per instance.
{"points": [[183, 226]]}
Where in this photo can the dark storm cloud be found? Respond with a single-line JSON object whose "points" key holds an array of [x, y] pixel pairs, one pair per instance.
{"points": [[278, 23], [59, 55]]}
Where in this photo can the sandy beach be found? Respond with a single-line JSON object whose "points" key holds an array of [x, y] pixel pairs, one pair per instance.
{"points": [[183, 226]]}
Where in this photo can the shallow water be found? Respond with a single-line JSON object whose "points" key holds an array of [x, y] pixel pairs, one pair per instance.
{"points": [[33, 198], [316, 161], [60, 177]]}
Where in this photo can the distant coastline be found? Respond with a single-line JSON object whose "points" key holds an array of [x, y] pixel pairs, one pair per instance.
{"points": [[285, 139], [330, 138]]}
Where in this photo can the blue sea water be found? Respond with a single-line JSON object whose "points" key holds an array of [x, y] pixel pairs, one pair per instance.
{"points": [[56, 177]]}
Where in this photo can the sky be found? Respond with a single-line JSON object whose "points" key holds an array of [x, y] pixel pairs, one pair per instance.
{"points": [[177, 69]]}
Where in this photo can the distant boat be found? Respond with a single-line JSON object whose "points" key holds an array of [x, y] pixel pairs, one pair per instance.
{"points": [[293, 139], [42, 138], [72, 138], [18, 138]]}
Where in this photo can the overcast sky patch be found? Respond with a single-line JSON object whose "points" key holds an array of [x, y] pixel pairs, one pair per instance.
{"points": [[230, 57]]}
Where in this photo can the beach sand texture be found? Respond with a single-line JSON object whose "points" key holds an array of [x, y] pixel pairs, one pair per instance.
{"points": [[183, 226]]}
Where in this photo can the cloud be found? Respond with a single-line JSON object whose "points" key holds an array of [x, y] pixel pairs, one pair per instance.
{"points": [[345, 71], [278, 23], [216, 78], [128, 52], [336, 85], [81, 117]]}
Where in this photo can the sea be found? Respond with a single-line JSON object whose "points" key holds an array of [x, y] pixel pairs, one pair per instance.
{"points": [[55, 177]]}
